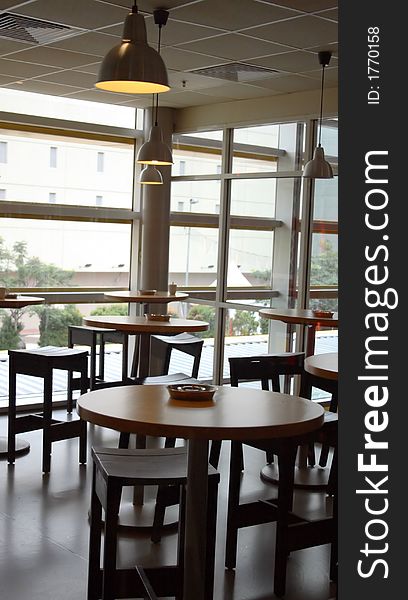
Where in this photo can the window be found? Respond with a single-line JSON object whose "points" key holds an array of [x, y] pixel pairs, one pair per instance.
{"points": [[3, 152], [2, 194], [52, 197], [182, 168], [99, 200], [100, 162], [53, 157], [180, 206]]}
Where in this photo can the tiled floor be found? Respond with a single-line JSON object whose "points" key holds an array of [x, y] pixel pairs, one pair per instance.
{"points": [[44, 533]]}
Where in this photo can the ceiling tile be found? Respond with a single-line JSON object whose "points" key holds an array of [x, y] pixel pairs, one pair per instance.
{"points": [[304, 5], [92, 68], [21, 70], [148, 5], [99, 96], [300, 32], [181, 60], [43, 87], [7, 45], [70, 77], [137, 102], [293, 62], [176, 32], [331, 75], [290, 83], [90, 16], [191, 81], [97, 44], [237, 91], [5, 79], [234, 46], [42, 55], [230, 14], [332, 14], [4, 4]]}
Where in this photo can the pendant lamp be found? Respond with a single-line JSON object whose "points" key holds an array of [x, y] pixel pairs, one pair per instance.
{"points": [[318, 167], [133, 67], [151, 176], [155, 151]]}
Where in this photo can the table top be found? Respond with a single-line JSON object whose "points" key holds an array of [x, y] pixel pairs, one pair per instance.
{"points": [[323, 365], [298, 316], [234, 413], [136, 296], [142, 325], [20, 301]]}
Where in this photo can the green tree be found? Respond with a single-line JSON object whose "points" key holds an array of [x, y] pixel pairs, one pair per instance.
{"points": [[54, 323], [204, 313], [9, 333], [115, 310], [244, 323], [324, 272], [18, 270]]}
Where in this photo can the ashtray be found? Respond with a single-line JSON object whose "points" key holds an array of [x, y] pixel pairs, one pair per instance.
{"points": [[156, 317], [191, 391], [147, 292], [11, 296], [323, 313]]}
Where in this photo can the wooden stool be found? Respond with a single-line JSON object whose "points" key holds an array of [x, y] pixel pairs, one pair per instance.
{"points": [[112, 470], [40, 363], [94, 337]]}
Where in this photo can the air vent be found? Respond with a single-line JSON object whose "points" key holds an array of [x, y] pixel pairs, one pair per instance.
{"points": [[33, 31], [235, 71]]}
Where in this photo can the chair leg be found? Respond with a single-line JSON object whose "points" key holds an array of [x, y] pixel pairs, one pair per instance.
{"points": [[47, 418], [324, 455], [83, 425], [11, 449], [124, 440], [113, 495], [70, 392], [233, 505], [286, 460], [94, 569], [215, 452]]}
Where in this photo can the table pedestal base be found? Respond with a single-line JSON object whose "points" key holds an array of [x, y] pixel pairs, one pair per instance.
{"points": [[22, 447], [305, 477]]}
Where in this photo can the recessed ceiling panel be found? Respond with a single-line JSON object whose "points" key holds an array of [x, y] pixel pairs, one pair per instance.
{"points": [[300, 32], [293, 62], [304, 5], [56, 58]]}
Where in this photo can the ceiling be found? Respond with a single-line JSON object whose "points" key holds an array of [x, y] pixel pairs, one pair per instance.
{"points": [[279, 38]]}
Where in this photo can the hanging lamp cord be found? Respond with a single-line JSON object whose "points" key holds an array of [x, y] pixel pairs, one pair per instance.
{"points": [[321, 105], [156, 118]]}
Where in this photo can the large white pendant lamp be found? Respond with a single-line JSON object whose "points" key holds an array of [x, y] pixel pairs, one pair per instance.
{"points": [[318, 167], [133, 67], [155, 151]]}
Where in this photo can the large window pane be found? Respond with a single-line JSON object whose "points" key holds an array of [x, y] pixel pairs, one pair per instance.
{"points": [[253, 197], [79, 177], [195, 196], [249, 258], [193, 256], [197, 154], [45, 253]]}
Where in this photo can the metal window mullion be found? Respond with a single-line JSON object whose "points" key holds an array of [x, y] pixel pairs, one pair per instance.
{"points": [[40, 210], [222, 262]]}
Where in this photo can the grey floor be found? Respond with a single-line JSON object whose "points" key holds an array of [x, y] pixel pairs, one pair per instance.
{"points": [[44, 532]]}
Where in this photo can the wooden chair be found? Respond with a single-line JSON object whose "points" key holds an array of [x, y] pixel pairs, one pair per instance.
{"points": [[95, 337], [266, 368], [306, 533], [40, 363], [112, 470], [162, 347]]}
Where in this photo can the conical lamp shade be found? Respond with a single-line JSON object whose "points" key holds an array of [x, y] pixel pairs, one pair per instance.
{"points": [[318, 167], [151, 176], [155, 151], [133, 67]]}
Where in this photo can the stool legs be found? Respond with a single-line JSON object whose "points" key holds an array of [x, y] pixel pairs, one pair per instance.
{"points": [[47, 420], [94, 570]]}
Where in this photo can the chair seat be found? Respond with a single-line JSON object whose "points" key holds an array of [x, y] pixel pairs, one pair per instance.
{"points": [[49, 353], [173, 378]]}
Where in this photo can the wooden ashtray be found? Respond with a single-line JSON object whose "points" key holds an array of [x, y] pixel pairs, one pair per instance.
{"points": [[191, 392], [156, 317], [327, 314]]}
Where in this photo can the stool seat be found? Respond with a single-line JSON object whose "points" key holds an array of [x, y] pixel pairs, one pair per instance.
{"points": [[40, 362], [114, 468]]}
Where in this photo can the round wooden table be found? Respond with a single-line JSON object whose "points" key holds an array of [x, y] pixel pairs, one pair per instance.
{"points": [[324, 366], [299, 316], [156, 298], [146, 328], [17, 301], [233, 414]]}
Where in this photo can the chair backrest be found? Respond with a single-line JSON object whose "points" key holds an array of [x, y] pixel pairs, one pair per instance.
{"points": [[266, 368], [162, 346]]}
